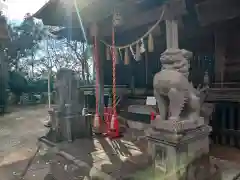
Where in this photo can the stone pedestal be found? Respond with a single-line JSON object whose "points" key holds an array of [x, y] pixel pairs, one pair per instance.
{"points": [[174, 153], [67, 121], [69, 126]]}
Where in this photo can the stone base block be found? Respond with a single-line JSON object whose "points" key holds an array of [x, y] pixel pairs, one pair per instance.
{"points": [[177, 155], [70, 127], [176, 126]]}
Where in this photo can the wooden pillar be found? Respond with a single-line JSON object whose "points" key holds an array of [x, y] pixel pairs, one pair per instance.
{"points": [[101, 78], [220, 56], [94, 31], [172, 33], [173, 10]]}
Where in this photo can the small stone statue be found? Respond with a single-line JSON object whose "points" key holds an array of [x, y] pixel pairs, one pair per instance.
{"points": [[176, 97], [206, 108]]}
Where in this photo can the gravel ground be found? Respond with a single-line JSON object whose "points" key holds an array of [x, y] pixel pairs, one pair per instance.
{"points": [[19, 131]]}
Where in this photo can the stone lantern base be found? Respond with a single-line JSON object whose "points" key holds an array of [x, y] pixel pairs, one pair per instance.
{"points": [[182, 156]]}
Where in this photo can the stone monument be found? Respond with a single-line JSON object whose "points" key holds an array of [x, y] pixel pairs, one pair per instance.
{"points": [[3, 83], [4, 37], [178, 137], [67, 120]]}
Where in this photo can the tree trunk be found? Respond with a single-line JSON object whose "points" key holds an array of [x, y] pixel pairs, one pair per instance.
{"points": [[83, 71], [49, 88], [87, 72]]}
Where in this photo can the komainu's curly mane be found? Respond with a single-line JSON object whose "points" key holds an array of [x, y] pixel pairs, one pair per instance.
{"points": [[176, 59]]}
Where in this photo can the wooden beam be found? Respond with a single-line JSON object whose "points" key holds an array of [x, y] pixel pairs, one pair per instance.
{"points": [[172, 34], [98, 10], [171, 22], [131, 23], [220, 55], [90, 10], [133, 18], [232, 69], [103, 9], [83, 4], [212, 11]]}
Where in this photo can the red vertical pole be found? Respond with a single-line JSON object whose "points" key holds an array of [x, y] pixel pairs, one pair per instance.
{"points": [[114, 126]]}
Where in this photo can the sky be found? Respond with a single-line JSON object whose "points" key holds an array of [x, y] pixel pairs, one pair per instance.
{"points": [[18, 8]]}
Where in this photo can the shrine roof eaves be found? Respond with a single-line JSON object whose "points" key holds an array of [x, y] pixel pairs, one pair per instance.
{"points": [[54, 12]]}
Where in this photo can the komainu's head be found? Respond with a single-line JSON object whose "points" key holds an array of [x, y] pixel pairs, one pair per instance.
{"points": [[176, 59]]}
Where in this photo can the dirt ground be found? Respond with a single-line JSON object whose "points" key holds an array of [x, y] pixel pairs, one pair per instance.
{"points": [[19, 131]]}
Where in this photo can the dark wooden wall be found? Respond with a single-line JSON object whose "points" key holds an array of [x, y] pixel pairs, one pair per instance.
{"points": [[202, 61], [232, 64]]}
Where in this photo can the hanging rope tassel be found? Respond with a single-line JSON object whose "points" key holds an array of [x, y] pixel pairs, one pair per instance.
{"points": [[120, 55], [108, 56], [150, 43], [142, 47], [138, 53], [126, 57]]}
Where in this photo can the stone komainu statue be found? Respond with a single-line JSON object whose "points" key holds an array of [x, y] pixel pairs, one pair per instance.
{"points": [[176, 97]]}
